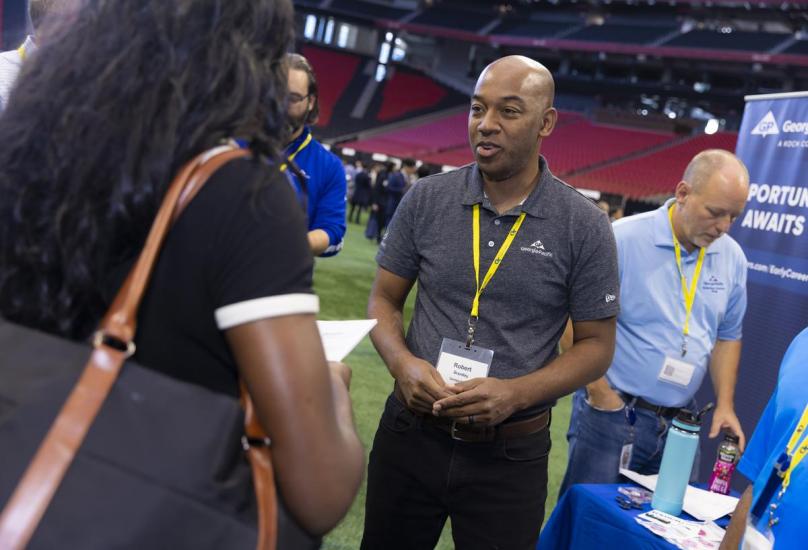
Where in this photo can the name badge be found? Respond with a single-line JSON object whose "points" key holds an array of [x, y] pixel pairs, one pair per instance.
{"points": [[625, 456], [457, 363], [676, 371], [755, 540]]}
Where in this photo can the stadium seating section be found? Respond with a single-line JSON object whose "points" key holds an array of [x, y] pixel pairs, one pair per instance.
{"points": [[738, 40], [346, 77], [654, 174], [466, 20]]}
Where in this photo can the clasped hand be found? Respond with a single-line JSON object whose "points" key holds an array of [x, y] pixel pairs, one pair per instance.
{"points": [[485, 401]]}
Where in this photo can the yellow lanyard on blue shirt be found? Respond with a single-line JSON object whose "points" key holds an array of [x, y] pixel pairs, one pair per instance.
{"points": [[492, 269], [293, 155], [795, 450], [688, 293]]}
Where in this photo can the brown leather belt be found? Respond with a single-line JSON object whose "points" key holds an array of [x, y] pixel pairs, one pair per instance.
{"points": [[473, 433], [659, 410]]}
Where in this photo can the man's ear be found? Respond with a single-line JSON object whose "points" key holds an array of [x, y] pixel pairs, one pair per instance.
{"points": [[548, 122], [310, 118], [683, 190]]}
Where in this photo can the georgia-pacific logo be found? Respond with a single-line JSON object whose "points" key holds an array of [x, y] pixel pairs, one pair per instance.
{"points": [[767, 126]]}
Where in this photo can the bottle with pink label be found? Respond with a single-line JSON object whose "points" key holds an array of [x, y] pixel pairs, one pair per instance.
{"points": [[728, 455]]}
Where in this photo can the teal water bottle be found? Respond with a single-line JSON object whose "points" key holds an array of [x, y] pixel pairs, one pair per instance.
{"points": [[677, 461]]}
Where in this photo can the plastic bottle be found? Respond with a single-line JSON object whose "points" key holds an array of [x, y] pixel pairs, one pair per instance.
{"points": [[677, 461], [727, 458]]}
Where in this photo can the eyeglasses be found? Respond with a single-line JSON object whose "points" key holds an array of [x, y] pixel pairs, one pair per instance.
{"points": [[297, 98]]}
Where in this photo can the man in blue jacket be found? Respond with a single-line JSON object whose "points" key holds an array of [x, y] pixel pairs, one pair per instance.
{"points": [[324, 189]]}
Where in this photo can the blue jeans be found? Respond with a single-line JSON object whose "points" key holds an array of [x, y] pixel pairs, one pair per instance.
{"points": [[596, 439]]}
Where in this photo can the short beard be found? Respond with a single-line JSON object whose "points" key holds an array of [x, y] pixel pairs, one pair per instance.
{"points": [[295, 124], [501, 175]]}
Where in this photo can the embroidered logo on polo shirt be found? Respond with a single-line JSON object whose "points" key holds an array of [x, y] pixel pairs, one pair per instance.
{"points": [[610, 298], [537, 248], [713, 284]]}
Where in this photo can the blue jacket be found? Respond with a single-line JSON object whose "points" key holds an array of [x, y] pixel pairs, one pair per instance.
{"points": [[326, 189]]}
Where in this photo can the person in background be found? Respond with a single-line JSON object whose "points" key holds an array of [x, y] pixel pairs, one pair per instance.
{"points": [[422, 172], [11, 61], [780, 512], [683, 283], [90, 148], [360, 199], [378, 203], [321, 182], [398, 182], [604, 205], [476, 449], [350, 173]]}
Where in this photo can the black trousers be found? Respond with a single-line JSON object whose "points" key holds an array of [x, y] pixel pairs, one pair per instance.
{"points": [[494, 492]]}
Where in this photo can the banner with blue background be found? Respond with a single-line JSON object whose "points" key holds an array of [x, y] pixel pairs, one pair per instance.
{"points": [[773, 231]]}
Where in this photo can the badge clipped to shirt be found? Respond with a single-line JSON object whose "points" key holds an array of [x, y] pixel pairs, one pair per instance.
{"points": [[458, 363], [676, 371], [462, 361]]}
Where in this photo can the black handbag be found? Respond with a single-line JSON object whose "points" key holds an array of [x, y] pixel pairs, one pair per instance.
{"points": [[134, 458]]}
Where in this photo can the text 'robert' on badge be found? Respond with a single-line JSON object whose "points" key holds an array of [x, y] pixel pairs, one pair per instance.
{"points": [[458, 363]]}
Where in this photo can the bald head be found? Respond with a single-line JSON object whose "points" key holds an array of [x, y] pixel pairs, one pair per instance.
{"points": [[707, 163], [537, 81], [711, 195]]}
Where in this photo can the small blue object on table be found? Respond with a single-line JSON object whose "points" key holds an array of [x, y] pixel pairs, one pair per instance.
{"points": [[589, 517]]}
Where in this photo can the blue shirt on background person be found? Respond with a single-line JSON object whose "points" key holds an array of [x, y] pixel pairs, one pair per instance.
{"points": [[773, 430], [325, 189], [650, 327]]}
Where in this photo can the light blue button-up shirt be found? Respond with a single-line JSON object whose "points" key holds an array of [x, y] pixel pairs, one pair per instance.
{"points": [[652, 309]]}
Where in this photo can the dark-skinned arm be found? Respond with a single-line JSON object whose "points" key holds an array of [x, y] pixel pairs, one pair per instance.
{"points": [[737, 525], [303, 404], [492, 400], [419, 381]]}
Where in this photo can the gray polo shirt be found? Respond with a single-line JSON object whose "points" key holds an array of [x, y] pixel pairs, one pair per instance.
{"points": [[562, 263]]}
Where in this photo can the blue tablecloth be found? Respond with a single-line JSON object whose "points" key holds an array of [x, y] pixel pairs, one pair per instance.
{"points": [[587, 517]]}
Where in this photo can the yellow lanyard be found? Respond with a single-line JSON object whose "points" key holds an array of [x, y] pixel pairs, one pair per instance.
{"points": [[492, 269], [21, 52], [300, 148], [796, 453], [689, 294]]}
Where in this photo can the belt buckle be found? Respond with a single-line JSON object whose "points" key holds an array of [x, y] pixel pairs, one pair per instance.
{"points": [[469, 436], [454, 432]]}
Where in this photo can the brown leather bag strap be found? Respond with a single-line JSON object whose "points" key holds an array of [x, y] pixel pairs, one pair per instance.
{"points": [[121, 318], [256, 444], [41, 479]]}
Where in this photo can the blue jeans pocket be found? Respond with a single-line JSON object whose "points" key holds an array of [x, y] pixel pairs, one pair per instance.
{"points": [[596, 410]]}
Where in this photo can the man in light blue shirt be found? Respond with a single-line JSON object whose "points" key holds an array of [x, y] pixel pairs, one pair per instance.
{"points": [[683, 294]]}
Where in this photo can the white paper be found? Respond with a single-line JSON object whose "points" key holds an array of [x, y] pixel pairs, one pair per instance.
{"points": [[341, 337], [684, 534], [702, 505]]}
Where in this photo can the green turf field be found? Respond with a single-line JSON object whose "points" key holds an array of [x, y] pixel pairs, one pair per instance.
{"points": [[343, 283]]}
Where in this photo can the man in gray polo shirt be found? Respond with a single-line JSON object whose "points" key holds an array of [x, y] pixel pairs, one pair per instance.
{"points": [[503, 253]]}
